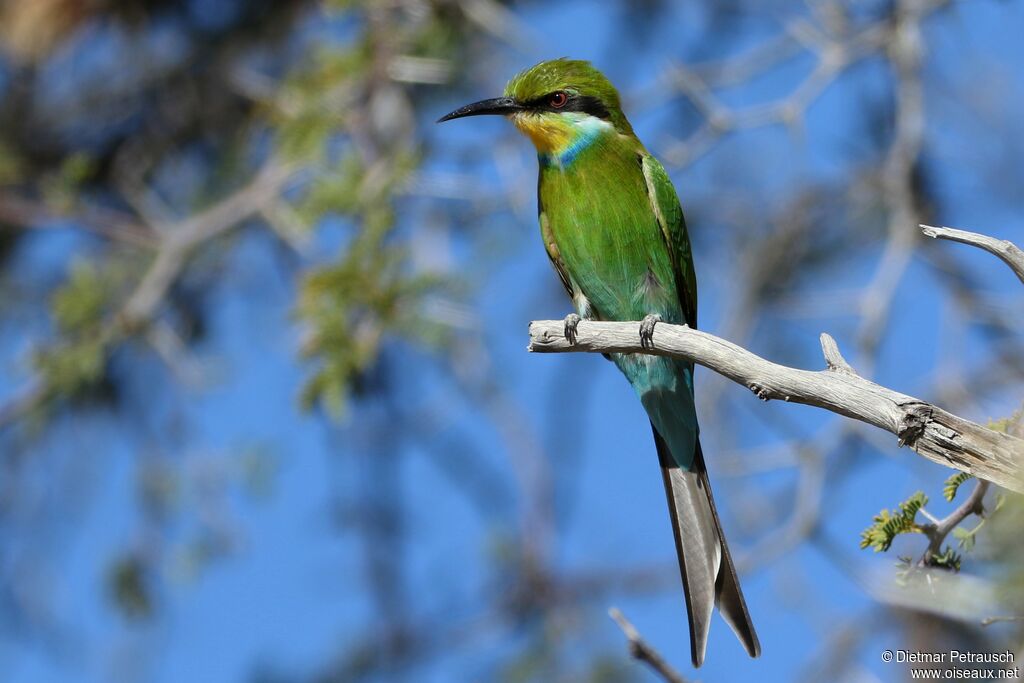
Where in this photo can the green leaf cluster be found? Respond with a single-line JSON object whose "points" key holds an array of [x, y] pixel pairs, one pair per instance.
{"points": [[1006, 424], [952, 485], [62, 188], [356, 125], [130, 586], [82, 310], [349, 307], [888, 525], [947, 559], [10, 165], [370, 291]]}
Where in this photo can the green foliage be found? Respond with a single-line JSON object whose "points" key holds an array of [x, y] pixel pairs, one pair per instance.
{"points": [[1006, 424], [906, 567], [349, 306], [84, 311], [888, 525], [71, 369], [311, 107], [371, 292], [10, 165], [81, 303], [81, 309], [952, 485], [341, 191], [947, 559], [130, 587], [965, 537], [62, 187]]}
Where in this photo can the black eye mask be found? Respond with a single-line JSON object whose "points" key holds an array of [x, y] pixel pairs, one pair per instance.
{"points": [[581, 103]]}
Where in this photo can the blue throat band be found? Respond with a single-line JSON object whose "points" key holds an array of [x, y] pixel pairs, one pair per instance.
{"points": [[583, 139]]}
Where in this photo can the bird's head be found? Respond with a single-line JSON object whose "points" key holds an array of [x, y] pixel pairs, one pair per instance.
{"points": [[555, 103]]}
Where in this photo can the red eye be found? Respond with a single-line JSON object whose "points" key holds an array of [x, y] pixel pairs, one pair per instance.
{"points": [[558, 100]]}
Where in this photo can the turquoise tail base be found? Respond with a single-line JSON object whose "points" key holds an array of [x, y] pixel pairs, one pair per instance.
{"points": [[665, 388]]}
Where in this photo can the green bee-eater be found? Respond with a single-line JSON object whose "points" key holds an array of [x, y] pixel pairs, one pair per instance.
{"points": [[614, 231]]}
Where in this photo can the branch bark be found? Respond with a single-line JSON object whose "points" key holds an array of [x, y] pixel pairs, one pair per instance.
{"points": [[938, 531], [642, 652], [929, 430], [1009, 252]]}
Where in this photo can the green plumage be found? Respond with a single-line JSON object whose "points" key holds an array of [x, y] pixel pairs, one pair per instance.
{"points": [[614, 230]]}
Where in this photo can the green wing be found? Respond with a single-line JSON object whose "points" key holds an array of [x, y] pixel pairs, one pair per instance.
{"points": [[551, 247], [666, 208]]}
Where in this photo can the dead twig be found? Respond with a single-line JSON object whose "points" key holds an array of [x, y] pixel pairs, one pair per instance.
{"points": [[642, 652], [939, 530], [1006, 250]]}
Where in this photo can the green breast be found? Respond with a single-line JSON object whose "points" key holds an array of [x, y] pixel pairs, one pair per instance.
{"points": [[602, 221]]}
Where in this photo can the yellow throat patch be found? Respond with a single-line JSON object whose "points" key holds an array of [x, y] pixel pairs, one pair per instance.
{"points": [[550, 133]]}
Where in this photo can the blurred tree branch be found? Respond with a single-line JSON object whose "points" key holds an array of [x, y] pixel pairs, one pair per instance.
{"points": [[641, 651], [174, 244], [181, 240], [24, 213]]}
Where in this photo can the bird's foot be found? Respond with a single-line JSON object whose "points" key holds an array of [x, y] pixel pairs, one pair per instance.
{"points": [[572, 321], [647, 330]]}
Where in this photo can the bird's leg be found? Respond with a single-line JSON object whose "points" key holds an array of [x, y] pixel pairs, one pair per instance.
{"points": [[647, 330], [572, 321]]}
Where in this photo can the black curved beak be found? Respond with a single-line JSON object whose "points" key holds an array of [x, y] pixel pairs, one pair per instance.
{"points": [[497, 105]]}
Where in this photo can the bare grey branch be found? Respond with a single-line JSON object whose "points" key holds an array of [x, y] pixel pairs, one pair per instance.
{"points": [[939, 530], [642, 652], [833, 358], [933, 432], [1009, 252], [181, 241]]}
